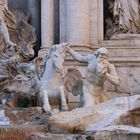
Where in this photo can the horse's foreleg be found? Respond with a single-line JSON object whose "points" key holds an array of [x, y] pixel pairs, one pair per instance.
{"points": [[64, 105], [46, 105]]}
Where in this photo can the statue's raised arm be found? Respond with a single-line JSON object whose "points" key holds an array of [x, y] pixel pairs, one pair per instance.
{"points": [[99, 70], [78, 56]]}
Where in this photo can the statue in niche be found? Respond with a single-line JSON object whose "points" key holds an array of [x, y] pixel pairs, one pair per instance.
{"points": [[109, 28], [98, 71], [7, 19], [126, 16]]}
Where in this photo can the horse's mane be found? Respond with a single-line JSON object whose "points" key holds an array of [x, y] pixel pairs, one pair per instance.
{"points": [[48, 55], [46, 58]]}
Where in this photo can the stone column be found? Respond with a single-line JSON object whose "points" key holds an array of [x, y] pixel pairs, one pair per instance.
{"points": [[47, 25], [93, 22], [62, 7], [96, 22], [100, 21], [77, 22]]}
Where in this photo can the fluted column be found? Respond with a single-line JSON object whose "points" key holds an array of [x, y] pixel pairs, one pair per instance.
{"points": [[47, 25], [77, 22]]}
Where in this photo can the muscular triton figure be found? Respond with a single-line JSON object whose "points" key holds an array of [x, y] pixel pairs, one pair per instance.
{"points": [[98, 71]]}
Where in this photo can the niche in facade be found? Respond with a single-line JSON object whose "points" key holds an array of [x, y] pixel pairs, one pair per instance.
{"points": [[108, 19]]}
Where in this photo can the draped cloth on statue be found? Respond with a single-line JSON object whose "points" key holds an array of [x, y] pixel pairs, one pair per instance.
{"points": [[7, 17], [129, 15]]}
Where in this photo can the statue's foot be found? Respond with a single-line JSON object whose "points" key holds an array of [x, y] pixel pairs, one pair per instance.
{"points": [[65, 108]]}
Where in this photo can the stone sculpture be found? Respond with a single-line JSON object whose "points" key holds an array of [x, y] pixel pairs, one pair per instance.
{"points": [[7, 19], [51, 84], [98, 71], [73, 83], [109, 28], [24, 87], [126, 16], [17, 78]]}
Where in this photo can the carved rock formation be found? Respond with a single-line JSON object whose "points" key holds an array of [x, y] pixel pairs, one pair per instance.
{"points": [[95, 119], [17, 77]]}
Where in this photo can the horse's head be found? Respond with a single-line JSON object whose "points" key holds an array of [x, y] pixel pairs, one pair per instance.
{"points": [[58, 52]]}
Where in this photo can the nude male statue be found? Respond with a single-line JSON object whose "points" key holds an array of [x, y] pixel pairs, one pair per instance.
{"points": [[7, 19], [98, 71]]}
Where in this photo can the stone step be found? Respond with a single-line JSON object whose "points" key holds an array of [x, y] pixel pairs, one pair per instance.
{"points": [[120, 43], [118, 132], [20, 132], [19, 123], [123, 50], [49, 136], [114, 51]]}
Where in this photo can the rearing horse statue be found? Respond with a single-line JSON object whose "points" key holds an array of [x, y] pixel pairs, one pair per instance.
{"points": [[51, 84]]}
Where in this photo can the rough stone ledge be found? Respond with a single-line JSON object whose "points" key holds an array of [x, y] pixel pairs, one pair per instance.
{"points": [[49, 136], [120, 129], [20, 132], [22, 116], [118, 132], [94, 119]]}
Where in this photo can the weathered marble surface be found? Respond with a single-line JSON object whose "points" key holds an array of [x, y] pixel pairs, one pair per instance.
{"points": [[123, 18], [94, 119], [22, 116], [7, 19], [49, 136], [51, 84], [17, 76], [118, 132], [127, 13], [20, 132]]}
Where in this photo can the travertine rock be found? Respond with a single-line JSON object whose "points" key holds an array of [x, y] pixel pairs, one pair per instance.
{"points": [[75, 120], [15, 76], [20, 132], [27, 116], [94, 119], [49, 136], [118, 132]]}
